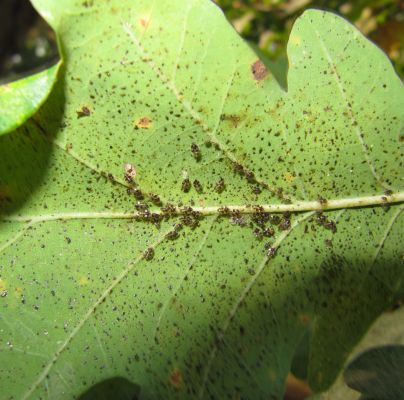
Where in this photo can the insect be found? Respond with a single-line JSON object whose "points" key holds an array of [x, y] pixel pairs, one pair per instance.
{"points": [[258, 233], [220, 186], [178, 227], [249, 175], [190, 217], [271, 251], [186, 185], [169, 209], [83, 112], [156, 219], [130, 172], [326, 223], [238, 168], [155, 199], [322, 201], [274, 219], [268, 232], [285, 224], [196, 151], [198, 186], [259, 217], [172, 235], [136, 192], [148, 254], [237, 218], [224, 211], [141, 206]]}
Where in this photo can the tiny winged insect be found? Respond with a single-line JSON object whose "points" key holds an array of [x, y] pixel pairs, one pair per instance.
{"points": [[130, 172]]}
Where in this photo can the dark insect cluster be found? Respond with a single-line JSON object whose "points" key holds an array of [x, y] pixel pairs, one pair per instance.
{"points": [[259, 217], [174, 234], [249, 175], [260, 233], [146, 215], [322, 220], [190, 217], [169, 210]]}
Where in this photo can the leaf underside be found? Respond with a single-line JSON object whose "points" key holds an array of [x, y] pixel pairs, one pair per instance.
{"points": [[154, 97]]}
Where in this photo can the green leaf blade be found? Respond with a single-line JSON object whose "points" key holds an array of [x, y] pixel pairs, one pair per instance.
{"points": [[214, 312], [19, 100]]}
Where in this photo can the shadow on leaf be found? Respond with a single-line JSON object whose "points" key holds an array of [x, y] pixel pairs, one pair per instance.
{"points": [[112, 389], [25, 153]]}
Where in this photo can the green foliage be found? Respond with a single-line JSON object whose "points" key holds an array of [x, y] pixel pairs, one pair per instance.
{"points": [[268, 22], [378, 373], [385, 340], [166, 102], [19, 100]]}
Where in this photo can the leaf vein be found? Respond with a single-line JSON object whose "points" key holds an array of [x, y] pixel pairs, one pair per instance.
{"points": [[184, 103], [86, 317], [350, 113], [241, 298]]}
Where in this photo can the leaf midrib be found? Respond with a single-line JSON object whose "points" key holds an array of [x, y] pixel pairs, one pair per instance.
{"points": [[283, 235], [301, 206]]}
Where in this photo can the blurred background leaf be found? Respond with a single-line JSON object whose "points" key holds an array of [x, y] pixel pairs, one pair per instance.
{"points": [[386, 333], [268, 22]]}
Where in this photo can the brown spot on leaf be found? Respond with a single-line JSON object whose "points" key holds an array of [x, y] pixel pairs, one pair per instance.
{"points": [[232, 118], [144, 22], [288, 177], [176, 378], [143, 123], [304, 319], [83, 112], [259, 70]]}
